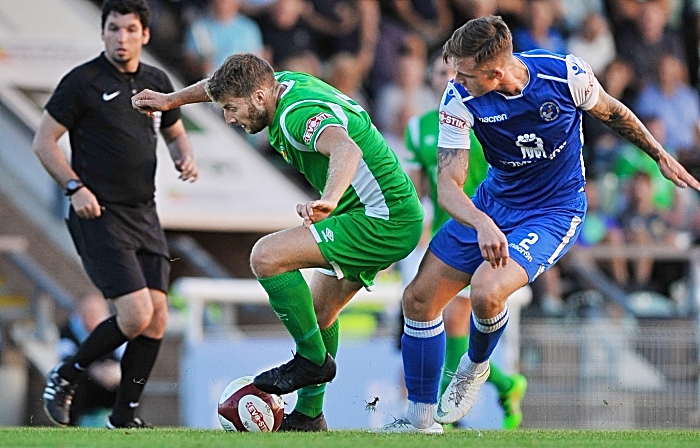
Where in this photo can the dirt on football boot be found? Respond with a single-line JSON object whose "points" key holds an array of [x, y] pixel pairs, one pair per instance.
{"points": [[58, 396], [510, 402], [296, 421], [297, 373]]}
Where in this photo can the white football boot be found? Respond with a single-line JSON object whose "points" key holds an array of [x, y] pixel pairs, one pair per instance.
{"points": [[402, 425], [461, 393]]}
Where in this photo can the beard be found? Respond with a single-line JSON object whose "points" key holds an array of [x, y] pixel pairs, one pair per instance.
{"points": [[259, 119]]}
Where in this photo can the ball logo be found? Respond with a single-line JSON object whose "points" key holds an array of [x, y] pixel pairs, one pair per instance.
{"points": [[312, 124], [451, 120], [257, 416], [549, 111]]}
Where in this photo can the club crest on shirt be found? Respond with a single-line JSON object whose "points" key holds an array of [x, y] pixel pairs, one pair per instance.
{"points": [[312, 124], [549, 111]]}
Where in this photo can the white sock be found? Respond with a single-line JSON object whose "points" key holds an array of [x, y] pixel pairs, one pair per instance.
{"points": [[469, 367], [420, 414]]}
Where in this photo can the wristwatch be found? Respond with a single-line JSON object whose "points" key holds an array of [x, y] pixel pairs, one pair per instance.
{"points": [[72, 186]]}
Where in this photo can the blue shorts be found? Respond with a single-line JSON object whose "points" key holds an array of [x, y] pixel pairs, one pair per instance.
{"points": [[536, 238]]}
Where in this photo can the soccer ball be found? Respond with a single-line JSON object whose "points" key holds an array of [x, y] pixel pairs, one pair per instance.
{"points": [[245, 408]]}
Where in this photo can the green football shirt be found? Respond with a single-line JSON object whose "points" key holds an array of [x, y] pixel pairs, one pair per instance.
{"points": [[421, 141], [309, 105]]}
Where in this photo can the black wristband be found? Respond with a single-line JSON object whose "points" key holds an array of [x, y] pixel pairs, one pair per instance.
{"points": [[72, 186]]}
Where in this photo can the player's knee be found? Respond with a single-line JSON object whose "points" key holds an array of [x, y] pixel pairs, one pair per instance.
{"points": [[159, 322], [262, 259], [487, 300], [415, 306], [137, 321]]}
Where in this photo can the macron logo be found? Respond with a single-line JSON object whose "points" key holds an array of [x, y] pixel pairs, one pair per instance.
{"points": [[493, 118], [110, 96]]}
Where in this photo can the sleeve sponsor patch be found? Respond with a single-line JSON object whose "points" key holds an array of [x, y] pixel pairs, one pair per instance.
{"points": [[451, 120], [312, 124]]}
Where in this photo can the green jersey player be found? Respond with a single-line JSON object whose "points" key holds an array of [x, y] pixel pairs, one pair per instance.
{"points": [[421, 142], [368, 215]]}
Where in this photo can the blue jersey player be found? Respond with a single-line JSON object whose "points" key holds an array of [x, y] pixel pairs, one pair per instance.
{"points": [[525, 109]]}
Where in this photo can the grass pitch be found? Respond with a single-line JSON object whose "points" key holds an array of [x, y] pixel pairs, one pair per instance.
{"points": [[180, 437]]}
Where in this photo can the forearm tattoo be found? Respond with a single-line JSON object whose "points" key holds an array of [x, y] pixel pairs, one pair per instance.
{"points": [[622, 120], [447, 155]]}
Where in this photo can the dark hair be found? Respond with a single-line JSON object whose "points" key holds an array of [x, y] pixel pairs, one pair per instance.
{"points": [[483, 38], [239, 76], [138, 7]]}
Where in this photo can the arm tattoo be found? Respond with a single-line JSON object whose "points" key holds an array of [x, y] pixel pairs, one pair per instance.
{"points": [[446, 156], [622, 120]]}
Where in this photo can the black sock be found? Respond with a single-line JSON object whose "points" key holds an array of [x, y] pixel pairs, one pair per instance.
{"points": [[105, 338], [137, 362]]}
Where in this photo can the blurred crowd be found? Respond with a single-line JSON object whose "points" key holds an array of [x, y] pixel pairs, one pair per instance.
{"points": [[645, 53]]}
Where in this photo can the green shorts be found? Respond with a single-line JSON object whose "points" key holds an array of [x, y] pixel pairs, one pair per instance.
{"points": [[358, 246]]}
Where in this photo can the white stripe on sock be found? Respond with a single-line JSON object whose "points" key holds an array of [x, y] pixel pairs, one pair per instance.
{"points": [[493, 323], [419, 329]]}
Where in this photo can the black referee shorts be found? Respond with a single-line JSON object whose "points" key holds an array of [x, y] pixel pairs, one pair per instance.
{"points": [[123, 250]]}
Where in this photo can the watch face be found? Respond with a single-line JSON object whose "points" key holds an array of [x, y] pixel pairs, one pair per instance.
{"points": [[72, 184]]}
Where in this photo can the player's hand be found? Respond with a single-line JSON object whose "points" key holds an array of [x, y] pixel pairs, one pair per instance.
{"points": [[147, 101], [315, 211], [188, 168], [674, 171], [85, 204], [493, 243]]}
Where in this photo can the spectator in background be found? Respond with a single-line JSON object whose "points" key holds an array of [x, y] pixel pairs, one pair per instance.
{"points": [[622, 14], [601, 143], [345, 74], [211, 38], [464, 10], [643, 45], [348, 26], [593, 42], [575, 12], [629, 162], [304, 61], [407, 95], [644, 224], [396, 40], [599, 228], [676, 103], [430, 19], [97, 390], [540, 30], [285, 34]]}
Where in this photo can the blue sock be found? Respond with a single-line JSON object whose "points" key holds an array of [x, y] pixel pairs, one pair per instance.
{"points": [[484, 335], [423, 351]]}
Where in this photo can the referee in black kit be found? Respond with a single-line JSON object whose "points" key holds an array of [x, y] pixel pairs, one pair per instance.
{"points": [[112, 219]]}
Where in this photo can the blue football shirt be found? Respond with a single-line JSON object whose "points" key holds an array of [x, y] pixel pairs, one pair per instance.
{"points": [[533, 140]]}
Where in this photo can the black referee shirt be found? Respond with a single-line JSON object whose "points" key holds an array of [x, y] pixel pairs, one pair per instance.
{"points": [[113, 146]]}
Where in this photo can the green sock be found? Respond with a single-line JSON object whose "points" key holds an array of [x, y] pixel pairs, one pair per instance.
{"points": [[455, 347], [310, 401], [499, 379], [291, 299]]}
